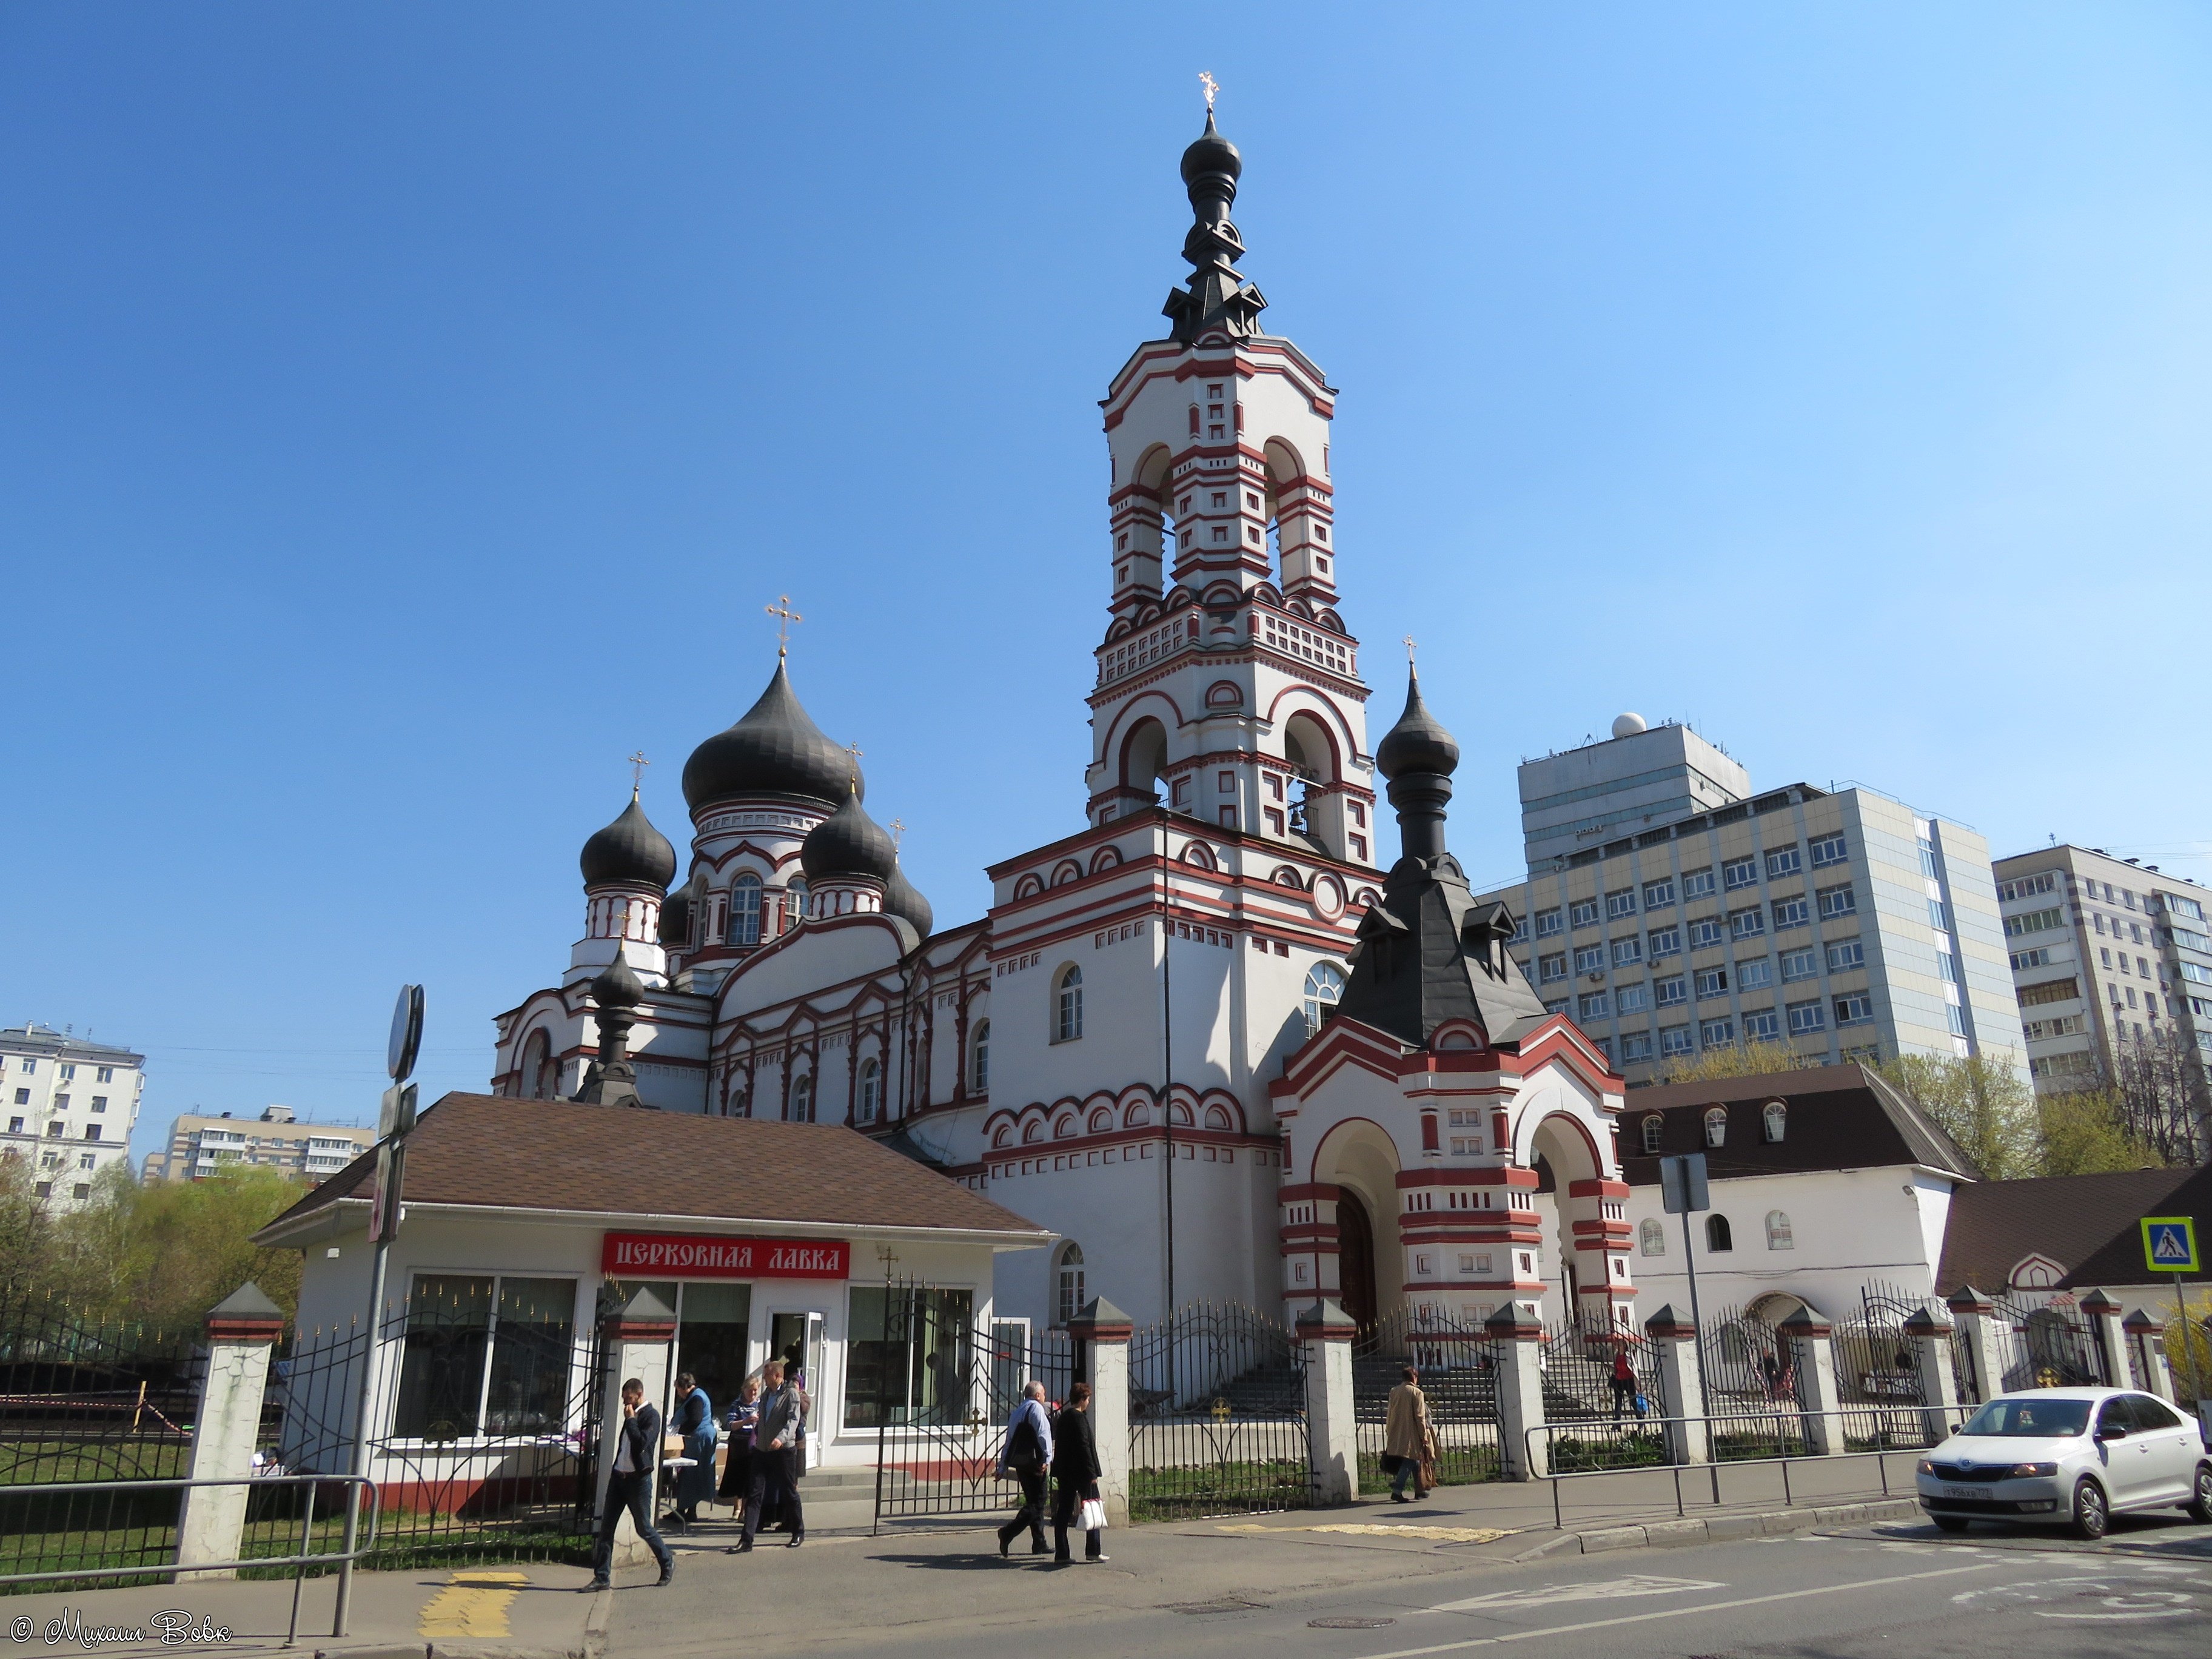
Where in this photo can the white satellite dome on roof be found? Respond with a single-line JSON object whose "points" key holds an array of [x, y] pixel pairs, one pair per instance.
{"points": [[1628, 726]]}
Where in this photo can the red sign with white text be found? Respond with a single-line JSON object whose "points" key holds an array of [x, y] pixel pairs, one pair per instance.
{"points": [[699, 1255]]}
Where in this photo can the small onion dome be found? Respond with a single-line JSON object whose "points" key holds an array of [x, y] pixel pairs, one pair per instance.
{"points": [[1418, 742], [902, 898], [775, 749], [848, 843], [1211, 153], [678, 909], [617, 986], [629, 851]]}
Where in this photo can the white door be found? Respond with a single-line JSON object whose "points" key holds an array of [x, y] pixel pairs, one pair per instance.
{"points": [[2170, 1448], [2126, 1451]]}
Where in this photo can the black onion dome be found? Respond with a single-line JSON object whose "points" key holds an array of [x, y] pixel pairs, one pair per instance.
{"points": [[629, 851], [775, 749], [848, 843], [678, 909], [902, 898], [1211, 153], [1418, 742], [616, 985]]}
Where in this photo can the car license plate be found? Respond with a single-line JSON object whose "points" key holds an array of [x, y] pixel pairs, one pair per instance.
{"points": [[1963, 1492]]}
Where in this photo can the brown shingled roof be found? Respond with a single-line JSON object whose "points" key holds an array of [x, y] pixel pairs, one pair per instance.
{"points": [[565, 1155], [2069, 1218], [1841, 1117], [2119, 1259]]}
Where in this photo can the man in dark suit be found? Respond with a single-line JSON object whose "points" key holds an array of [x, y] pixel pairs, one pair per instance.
{"points": [[637, 1459]]}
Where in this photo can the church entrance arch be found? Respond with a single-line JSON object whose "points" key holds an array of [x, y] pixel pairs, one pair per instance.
{"points": [[1574, 1255], [1360, 1161], [1355, 1258]]}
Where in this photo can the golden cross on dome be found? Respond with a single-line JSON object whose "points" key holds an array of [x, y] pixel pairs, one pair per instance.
{"points": [[786, 616], [855, 751], [898, 833], [637, 765], [1410, 648], [1206, 79]]}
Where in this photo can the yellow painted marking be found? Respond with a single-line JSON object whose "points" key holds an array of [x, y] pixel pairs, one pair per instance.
{"points": [[1378, 1530], [472, 1605]]}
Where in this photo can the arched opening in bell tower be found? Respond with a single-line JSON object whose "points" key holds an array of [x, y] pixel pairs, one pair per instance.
{"points": [[1563, 1157], [1144, 757]]}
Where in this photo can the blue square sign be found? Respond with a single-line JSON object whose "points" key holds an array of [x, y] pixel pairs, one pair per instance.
{"points": [[2170, 1244]]}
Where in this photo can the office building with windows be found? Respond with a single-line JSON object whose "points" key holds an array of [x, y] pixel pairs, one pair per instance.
{"points": [[1670, 910], [70, 1106], [2105, 952], [200, 1145]]}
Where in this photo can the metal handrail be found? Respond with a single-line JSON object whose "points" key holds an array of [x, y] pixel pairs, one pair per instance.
{"points": [[1782, 1413], [344, 1559]]}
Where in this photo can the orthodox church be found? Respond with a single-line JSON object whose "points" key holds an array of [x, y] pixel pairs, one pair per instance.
{"points": [[1204, 1039]]}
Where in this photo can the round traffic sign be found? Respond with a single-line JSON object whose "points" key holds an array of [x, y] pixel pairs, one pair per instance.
{"points": [[406, 1033]]}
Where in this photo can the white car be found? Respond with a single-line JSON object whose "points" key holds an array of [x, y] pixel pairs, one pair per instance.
{"points": [[2077, 1457]]}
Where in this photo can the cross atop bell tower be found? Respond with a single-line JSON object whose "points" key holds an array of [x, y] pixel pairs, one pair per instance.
{"points": [[1228, 685]]}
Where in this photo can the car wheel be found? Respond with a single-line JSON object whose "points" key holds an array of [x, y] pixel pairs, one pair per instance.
{"points": [[2200, 1506], [2093, 1518], [1949, 1522]]}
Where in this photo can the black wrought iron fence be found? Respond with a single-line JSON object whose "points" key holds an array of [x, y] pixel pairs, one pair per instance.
{"points": [[1457, 1367], [1751, 1381], [1878, 1367], [1217, 1415], [2047, 1345], [939, 1389], [85, 1401], [1602, 1389]]}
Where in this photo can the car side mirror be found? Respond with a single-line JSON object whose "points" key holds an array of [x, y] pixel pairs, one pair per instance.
{"points": [[2112, 1432]]}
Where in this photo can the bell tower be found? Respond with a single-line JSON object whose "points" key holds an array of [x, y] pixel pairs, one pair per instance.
{"points": [[1228, 686]]}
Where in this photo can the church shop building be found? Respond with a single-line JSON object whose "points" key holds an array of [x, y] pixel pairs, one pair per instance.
{"points": [[766, 1239]]}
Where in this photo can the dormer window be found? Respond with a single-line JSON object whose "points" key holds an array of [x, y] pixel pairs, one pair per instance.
{"points": [[1654, 1127], [1716, 1126], [1775, 1118]]}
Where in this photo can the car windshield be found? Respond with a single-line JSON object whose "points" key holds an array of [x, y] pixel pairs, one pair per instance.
{"points": [[2031, 1419]]}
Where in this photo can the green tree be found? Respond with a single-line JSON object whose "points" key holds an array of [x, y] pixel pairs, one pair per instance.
{"points": [[166, 1253], [26, 1226], [1981, 1104], [1747, 1059], [2088, 1133]]}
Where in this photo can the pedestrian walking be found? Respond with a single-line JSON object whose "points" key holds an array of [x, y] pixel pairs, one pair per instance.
{"points": [[629, 1486], [1406, 1439], [775, 1456], [1623, 1385], [694, 1421], [738, 1458], [1075, 1477], [1025, 1456]]}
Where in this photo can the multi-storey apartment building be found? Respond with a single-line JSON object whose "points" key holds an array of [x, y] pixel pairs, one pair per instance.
{"points": [[200, 1146], [1669, 910], [2105, 952], [68, 1104]]}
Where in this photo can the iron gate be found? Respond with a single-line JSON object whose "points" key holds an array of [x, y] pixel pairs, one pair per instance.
{"points": [[1575, 1360], [1751, 1382], [939, 1388], [1878, 1367], [1458, 1370], [1217, 1415], [2050, 1347]]}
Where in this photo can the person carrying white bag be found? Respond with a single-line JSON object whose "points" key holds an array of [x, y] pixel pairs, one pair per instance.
{"points": [[1075, 1471]]}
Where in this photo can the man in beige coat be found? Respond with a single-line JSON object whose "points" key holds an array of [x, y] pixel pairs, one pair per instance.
{"points": [[1406, 1435]]}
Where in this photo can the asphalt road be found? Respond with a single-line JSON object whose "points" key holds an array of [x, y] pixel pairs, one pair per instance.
{"points": [[1203, 1589]]}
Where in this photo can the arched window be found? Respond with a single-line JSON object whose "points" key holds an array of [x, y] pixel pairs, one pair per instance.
{"points": [[1324, 989], [979, 1066], [745, 910], [871, 1090], [1651, 1236], [1716, 1126], [802, 1100], [1067, 1013], [794, 903], [1654, 1127], [539, 1075], [1776, 1118], [1777, 1231], [1718, 1236], [1070, 1282]]}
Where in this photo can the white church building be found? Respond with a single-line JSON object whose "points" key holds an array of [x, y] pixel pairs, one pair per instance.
{"points": [[1205, 1039]]}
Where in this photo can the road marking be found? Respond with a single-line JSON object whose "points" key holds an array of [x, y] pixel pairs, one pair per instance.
{"points": [[473, 1605], [2119, 1604], [1676, 1612], [1379, 1530], [1602, 1590]]}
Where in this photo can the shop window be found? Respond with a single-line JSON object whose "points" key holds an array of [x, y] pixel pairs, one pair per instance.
{"points": [[484, 1355], [909, 1355]]}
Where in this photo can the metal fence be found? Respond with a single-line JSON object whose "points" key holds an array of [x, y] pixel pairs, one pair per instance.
{"points": [[1458, 1369], [939, 1388], [2053, 1345], [1878, 1369], [1217, 1415]]}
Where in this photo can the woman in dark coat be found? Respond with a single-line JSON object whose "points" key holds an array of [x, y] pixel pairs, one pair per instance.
{"points": [[694, 1421], [737, 1464], [1075, 1471]]}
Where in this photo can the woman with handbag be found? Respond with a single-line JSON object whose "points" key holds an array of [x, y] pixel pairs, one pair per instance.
{"points": [[1075, 1476], [1404, 1435]]}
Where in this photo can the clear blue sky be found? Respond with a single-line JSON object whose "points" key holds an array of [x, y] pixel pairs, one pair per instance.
{"points": [[405, 412]]}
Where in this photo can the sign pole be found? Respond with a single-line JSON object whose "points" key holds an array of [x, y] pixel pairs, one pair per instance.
{"points": [[1682, 1189], [396, 1119]]}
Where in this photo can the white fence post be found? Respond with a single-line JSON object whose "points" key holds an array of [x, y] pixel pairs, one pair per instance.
{"points": [[1674, 1340], [2142, 1334], [241, 1330], [1519, 1392], [1812, 1352], [2104, 1314], [1105, 1331], [636, 1337], [1332, 1437], [1931, 1357], [1985, 1339]]}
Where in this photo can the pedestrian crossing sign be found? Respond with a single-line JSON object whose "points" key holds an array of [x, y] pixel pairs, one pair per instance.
{"points": [[2170, 1244]]}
